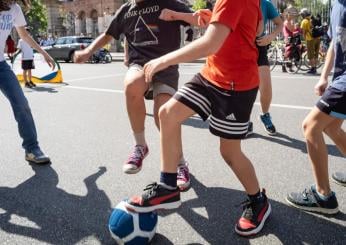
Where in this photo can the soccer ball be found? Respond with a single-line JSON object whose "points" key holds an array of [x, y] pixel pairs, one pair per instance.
{"points": [[131, 228]]}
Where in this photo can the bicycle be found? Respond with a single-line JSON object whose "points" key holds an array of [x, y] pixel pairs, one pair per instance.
{"points": [[275, 54]]}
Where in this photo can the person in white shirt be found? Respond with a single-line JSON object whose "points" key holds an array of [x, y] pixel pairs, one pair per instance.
{"points": [[27, 62], [12, 16]]}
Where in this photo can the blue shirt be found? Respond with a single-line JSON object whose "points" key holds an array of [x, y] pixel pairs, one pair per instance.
{"points": [[337, 32], [269, 11]]}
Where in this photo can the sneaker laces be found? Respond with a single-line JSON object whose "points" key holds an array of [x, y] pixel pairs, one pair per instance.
{"points": [[137, 154], [247, 207], [150, 189], [267, 120], [182, 172]]}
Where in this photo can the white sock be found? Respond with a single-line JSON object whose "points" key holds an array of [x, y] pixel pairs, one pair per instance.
{"points": [[140, 138], [182, 161]]}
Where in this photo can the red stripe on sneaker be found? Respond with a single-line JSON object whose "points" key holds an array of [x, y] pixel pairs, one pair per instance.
{"points": [[159, 200], [261, 214], [245, 224]]}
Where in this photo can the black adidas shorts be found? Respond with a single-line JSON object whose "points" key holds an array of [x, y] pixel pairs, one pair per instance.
{"points": [[262, 56], [228, 111], [333, 103]]}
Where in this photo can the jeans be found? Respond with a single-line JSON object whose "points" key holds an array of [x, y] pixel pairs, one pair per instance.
{"points": [[10, 87]]}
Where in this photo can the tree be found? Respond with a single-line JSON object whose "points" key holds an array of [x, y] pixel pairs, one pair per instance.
{"points": [[199, 4], [37, 17]]}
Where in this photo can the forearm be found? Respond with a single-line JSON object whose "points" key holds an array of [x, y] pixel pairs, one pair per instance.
{"points": [[126, 49], [328, 66], [277, 30], [29, 40], [199, 48], [187, 17], [99, 42]]}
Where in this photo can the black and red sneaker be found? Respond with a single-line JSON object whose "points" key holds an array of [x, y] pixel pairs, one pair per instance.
{"points": [[155, 197], [254, 216]]}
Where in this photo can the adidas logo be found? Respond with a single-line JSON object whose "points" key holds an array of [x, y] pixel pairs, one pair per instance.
{"points": [[231, 117]]}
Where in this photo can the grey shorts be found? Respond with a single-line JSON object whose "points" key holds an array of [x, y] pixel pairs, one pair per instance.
{"points": [[164, 82]]}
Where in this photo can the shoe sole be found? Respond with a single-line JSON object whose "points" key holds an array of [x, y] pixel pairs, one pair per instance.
{"points": [[133, 171], [164, 206], [259, 228], [270, 133], [316, 210], [184, 187], [37, 162], [338, 182]]}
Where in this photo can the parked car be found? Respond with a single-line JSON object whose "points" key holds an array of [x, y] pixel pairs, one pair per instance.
{"points": [[64, 47]]}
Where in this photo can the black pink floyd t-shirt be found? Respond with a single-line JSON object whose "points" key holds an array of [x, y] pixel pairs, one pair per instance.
{"points": [[148, 36]]}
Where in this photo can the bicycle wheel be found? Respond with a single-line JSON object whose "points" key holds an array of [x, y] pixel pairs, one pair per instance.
{"points": [[272, 57], [293, 64], [305, 63]]}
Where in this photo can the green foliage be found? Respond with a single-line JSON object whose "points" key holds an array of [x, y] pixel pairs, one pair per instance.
{"points": [[37, 17], [199, 4]]}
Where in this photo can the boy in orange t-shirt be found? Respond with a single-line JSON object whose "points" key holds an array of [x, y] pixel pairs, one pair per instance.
{"points": [[225, 92]]}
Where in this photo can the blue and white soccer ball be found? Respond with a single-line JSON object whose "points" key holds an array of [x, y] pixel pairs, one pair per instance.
{"points": [[131, 228]]}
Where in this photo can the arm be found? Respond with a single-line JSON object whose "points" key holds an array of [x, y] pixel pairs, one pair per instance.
{"points": [[126, 52], [208, 44], [328, 66], [267, 39], [200, 18], [28, 39], [260, 28], [84, 55]]}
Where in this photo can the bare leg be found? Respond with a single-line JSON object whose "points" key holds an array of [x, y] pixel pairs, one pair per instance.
{"points": [[240, 164], [25, 77], [337, 134], [135, 87], [314, 125], [171, 115], [159, 100], [265, 88]]}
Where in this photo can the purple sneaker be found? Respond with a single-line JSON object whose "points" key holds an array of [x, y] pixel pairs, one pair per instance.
{"points": [[183, 178], [135, 160]]}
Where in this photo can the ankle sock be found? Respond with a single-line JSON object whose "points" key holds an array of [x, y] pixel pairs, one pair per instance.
{"points": [[140, 138], [258, 197], [169, 180], [321, 196]]}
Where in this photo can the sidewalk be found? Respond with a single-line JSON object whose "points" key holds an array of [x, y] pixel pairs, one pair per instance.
{"points": [[119, 56]]}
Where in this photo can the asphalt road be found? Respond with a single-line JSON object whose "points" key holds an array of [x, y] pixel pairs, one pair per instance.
{"points": [[83, 126]]}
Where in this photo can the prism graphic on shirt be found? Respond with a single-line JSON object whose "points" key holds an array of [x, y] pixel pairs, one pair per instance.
{"points": [[143, 34]]}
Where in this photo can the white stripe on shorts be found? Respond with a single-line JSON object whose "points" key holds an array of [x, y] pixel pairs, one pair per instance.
{"points": [[228, 122], [196, 99], [204, 99], [227, 131], [235, 128]]}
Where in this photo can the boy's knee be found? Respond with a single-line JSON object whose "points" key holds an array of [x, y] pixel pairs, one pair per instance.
{"points": [[133, 90], [167, 115]]}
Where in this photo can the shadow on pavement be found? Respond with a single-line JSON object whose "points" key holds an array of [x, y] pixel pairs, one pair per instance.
{"points": [[288, 225], [55, 216], [285, 140]]}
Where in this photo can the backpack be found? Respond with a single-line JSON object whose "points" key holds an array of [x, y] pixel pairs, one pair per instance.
{"points": [[317, 29]]}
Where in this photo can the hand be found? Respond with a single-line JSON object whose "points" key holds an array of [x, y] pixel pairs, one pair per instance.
{"points": [[321, 86], [167, 15], [265, 40], [50, 61], [153, 67], [126, 62], [204, 16], [81, 56]]}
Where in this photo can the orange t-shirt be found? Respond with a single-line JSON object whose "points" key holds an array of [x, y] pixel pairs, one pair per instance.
{"points": [[234, 66]]}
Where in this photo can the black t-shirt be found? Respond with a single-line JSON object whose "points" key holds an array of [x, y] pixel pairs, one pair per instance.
{"points": [[148, 36]]}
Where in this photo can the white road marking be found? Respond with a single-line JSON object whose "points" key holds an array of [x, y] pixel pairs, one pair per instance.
{"points": [[121, 92]]}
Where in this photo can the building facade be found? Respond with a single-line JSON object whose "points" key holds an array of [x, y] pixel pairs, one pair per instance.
{"points": [[88, 17]]}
